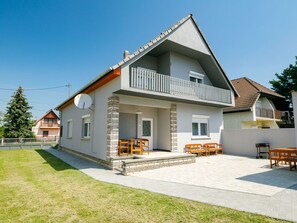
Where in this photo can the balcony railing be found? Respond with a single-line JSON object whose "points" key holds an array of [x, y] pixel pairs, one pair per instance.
{"points": [[49, 125], [268, 113], [151, 81]]}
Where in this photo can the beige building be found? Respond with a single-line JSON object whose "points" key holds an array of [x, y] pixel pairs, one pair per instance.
{"points": [[48, 126], [256, 107]]}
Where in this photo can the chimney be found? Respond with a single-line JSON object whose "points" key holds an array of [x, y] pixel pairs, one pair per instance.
{"points": [[126, 54]]}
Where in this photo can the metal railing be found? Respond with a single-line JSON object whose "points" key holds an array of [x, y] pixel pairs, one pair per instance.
{"points": [[151, 81], [28, 143]]}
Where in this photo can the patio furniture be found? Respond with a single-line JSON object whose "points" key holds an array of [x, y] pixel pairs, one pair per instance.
{"points": [[262, 148], [146, 146], [123, 147], [195, 149], [136, 146], [213, 147], [287, 155]]}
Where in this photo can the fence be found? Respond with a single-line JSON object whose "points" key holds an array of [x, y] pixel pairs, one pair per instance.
{"points": [[242, 141], [27, 143]]}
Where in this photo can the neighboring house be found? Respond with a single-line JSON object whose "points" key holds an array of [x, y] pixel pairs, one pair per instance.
{"points": [[48, 126], [170, 91], [294, 100], [256, 107]]}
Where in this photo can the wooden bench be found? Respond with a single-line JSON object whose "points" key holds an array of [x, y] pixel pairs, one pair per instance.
{"points": [[195, 149], [213, 147], [287, 155]]}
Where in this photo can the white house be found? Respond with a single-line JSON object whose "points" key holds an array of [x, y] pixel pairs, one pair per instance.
{"points": [[257, 107], [170, 91]]}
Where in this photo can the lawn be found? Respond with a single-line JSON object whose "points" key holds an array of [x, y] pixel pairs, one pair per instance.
{"points": [[37, 187]]}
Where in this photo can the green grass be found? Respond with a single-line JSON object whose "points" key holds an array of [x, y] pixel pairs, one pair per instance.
{"points": [[37, 187]]}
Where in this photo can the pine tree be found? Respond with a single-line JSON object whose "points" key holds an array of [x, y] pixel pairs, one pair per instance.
{"points": [[17, 119]]}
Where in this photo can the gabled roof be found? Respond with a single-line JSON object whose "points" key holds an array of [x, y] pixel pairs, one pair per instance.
{"points": [[48, 112], [142, 50], [249, 91]]}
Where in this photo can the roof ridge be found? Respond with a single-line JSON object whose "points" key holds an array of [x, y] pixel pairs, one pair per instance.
{"points": [[153, 41], [252, 83]]}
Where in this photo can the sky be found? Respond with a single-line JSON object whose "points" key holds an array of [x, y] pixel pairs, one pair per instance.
{"points": [[50, 44]]}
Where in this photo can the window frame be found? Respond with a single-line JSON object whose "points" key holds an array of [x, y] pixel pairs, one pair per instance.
{"points": [[200, 120], [88, 132], [197, 76], [69, 124]]}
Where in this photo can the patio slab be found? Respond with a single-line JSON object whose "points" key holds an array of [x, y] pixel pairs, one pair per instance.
{"points": [[227, 172], [282, 205]]}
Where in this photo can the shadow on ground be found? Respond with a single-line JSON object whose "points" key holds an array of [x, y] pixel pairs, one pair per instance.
{"points": [[280, 177], [60, 164], [53, 161]]}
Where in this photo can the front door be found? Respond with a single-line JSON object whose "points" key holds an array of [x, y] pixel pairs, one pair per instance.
{"points": [[147, 131]]}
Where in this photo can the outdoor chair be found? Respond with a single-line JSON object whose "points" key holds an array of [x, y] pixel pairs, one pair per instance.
{"points": [[213, 148], [146, 146], [136, 146], [195, 149], [123, 147]]}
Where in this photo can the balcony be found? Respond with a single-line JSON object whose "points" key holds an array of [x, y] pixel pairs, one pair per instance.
{"points": [[151, 81], [49, 125], [268, 113]]}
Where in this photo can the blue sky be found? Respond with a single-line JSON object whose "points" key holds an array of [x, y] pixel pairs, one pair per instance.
{"points": [[53, 43]]}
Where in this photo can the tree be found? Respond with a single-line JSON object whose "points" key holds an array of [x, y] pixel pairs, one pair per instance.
{"points": [[286, 82], [17, 119]]}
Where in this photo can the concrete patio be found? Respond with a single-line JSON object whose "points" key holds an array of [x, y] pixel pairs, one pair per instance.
{"points": [[229, 181], [227, 172]]}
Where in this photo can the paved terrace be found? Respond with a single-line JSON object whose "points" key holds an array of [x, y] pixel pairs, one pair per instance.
{"points": [[236, 182]]}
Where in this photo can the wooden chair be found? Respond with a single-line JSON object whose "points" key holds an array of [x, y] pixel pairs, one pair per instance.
{"points": [[136, 146], [283, 155], [146, 146], [213, 147], [123, 147], [195, 149]]}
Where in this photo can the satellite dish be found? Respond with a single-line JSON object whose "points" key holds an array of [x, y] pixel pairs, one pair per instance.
{"points": [[83, 101]]}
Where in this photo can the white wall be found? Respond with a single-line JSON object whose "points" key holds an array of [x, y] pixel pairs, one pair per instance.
{"points": [[234, 120], [242, 142], [95, 146], [182, 65], [163, 129], [146, 61], [294, 98], [184, 124], [187, 35]]}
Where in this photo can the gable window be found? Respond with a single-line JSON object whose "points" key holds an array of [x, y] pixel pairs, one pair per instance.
{"points": [[69, 128], [200, 126], [196, 77], [86, 126]]}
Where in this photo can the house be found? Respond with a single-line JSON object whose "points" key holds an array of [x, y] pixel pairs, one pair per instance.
{"points": [[48, 126], [294, 100], [171, 91], [257, 106]]}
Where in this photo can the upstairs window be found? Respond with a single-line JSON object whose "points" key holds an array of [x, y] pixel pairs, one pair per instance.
{"points": [[196, 77]]}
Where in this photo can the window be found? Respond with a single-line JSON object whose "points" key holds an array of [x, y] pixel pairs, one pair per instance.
{"points": [[200, 126], [45, 134], [196, 77], [69, 128], [86, 126]]}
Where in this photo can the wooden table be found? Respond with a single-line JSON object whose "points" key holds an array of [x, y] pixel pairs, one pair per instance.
{"points": [[287, 155]]}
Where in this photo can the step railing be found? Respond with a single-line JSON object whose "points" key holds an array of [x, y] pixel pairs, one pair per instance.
{"points": [[151, 81]]}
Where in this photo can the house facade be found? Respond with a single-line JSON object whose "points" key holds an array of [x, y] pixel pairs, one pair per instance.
{"points": [[294, 100], [257, 107], [48, 126], [171, 91]]}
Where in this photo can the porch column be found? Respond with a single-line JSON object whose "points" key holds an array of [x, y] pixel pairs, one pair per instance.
{"points": [[173, 128], [112, 127]]}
